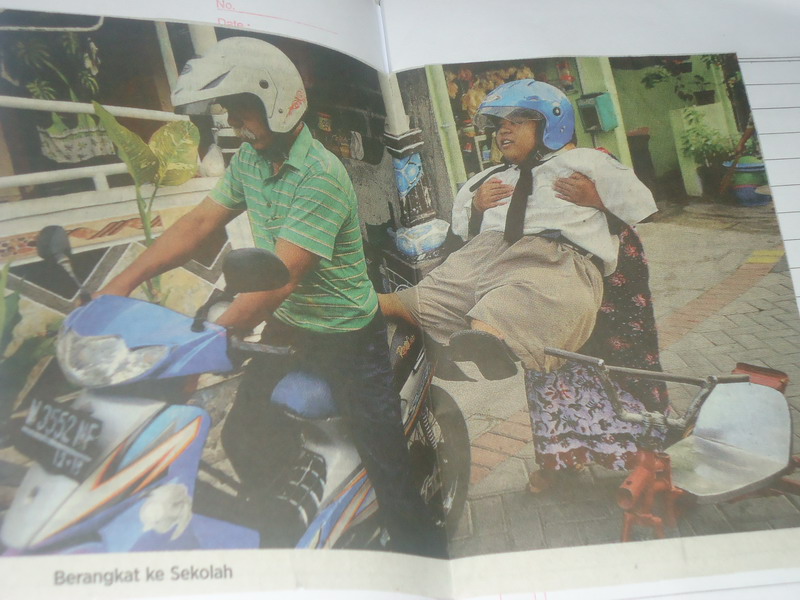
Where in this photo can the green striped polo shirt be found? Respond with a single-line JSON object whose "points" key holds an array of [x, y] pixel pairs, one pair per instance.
{"points": [[311, 203]]}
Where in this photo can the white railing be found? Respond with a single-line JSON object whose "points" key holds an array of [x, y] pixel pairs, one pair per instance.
{"points": [[97, 174]]}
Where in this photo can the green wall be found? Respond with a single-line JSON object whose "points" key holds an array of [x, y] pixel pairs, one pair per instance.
{"points": [[651, 108], [550, 74], [595, 75]]}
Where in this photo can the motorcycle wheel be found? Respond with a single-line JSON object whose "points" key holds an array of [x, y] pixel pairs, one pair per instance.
{"points": [[440, 470], [440, 455]]}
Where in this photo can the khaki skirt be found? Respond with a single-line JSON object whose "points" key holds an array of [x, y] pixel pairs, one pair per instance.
{"points": [[537, 292]]}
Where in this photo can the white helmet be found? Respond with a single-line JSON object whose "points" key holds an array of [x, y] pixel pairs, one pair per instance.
{"points": [[243, 65]]}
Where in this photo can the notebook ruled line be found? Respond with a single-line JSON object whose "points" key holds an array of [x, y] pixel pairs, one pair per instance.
{"points": [[775, 91]]}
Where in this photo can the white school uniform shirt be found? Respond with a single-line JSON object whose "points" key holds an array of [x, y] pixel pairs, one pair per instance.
{"points": [[619, 188]]}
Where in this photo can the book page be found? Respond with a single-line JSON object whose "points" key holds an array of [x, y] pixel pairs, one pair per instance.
{"points": [[576, 27], [696, 335], [60, 167]]}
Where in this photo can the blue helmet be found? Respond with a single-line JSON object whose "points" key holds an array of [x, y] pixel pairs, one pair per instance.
{"points": [[528, 99]]}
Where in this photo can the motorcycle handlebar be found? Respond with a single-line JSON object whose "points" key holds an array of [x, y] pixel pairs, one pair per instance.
{"points": [[643, 374]]}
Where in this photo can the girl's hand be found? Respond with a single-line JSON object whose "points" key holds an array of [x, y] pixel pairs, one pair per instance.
{"points": [[578, 189], [492, 193]]}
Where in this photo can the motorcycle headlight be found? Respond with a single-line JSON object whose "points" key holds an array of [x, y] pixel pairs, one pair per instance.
{"points": [[97, 361]]}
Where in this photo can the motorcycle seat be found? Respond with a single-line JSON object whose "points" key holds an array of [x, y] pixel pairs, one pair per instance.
{"points": [[305, 396]]}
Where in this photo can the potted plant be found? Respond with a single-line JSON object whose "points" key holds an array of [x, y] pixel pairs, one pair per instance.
{"points": [[690, 87], [707, 147], [63, 66]]}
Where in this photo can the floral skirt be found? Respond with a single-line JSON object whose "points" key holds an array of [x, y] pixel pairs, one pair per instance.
{"points": [[574, 422]]}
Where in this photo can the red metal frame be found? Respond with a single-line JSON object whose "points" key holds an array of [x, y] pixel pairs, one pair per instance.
{"points": [[648, 488]]}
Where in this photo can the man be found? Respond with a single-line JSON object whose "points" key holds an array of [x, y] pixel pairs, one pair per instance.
{"points": [[532, 276], [301, 205]]}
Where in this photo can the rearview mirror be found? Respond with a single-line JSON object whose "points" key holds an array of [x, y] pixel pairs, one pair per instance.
{"points": [[246, 270], [254, 270], [53, 243]]}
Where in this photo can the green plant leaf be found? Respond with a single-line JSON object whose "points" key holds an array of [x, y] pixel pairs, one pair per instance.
{"points": [[33, 52], [175, 145], [57, 127], [88, 122], [88, 82], [71, 43], [702, 143], [9, 310], [11, 318], [141, 162], [41, 90]]}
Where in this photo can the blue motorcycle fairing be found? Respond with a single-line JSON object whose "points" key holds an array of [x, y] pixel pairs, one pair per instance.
{"points": [[321, 528], [171, 420], [119, 527], [141, 323], [126, 534], [305, 395]]}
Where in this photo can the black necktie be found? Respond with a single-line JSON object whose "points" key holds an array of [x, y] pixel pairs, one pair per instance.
{"points": [[515, 217]]}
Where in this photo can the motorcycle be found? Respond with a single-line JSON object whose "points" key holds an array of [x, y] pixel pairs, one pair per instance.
{"points": [[117, 466]]}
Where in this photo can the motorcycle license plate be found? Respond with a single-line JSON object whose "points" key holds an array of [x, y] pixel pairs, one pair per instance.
{"points": [[59, 438]]}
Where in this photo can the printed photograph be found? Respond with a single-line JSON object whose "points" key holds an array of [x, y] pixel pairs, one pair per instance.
{"points": [[258, 295], [166, 189], [566, 451]]}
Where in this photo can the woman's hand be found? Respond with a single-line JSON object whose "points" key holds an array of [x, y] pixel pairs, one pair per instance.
{"points": [[492, 193], [578, 189]]}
